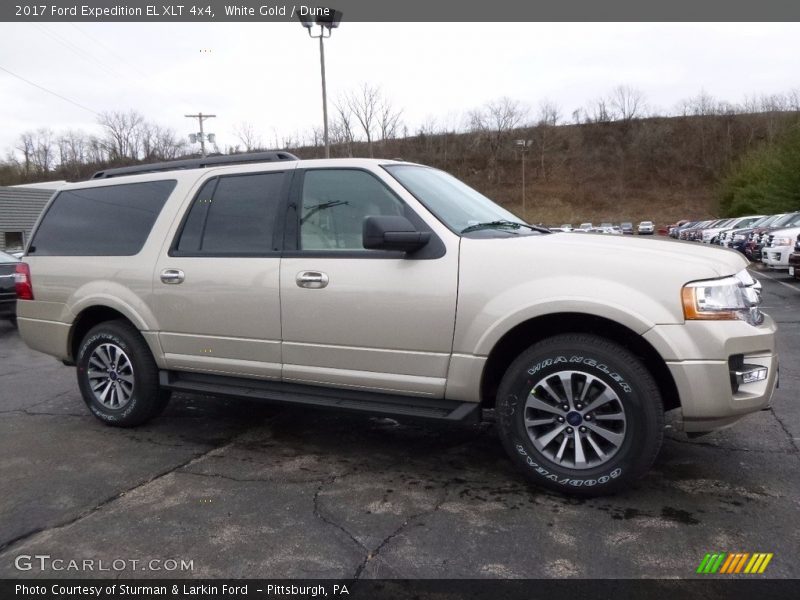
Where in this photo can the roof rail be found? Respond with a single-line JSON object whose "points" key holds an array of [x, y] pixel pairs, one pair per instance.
{"points": [[196, 163]]}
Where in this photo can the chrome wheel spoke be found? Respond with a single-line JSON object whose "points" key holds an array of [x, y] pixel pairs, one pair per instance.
{"points": [[580, 457], [560, 453], [550, 391], [534, 402], [603, 399], [538, 422], [545, 439], [594, 445], [614, 438], [618, 416], [566, 383]]}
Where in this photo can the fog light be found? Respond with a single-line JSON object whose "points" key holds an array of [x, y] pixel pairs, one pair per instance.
{"points": [[751, 374]]}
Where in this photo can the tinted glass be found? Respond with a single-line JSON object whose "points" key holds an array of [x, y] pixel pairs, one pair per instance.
{"points": [[335, 204], [233, 215], [241, 216], [101, 221], [452, 201], [193, 227]]}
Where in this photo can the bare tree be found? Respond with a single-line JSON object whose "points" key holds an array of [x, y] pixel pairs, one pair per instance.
{"points": [[388, 120], [123, 134], [246, 134], [628, 103], [494, 122], [364, 105], [544, 133]]}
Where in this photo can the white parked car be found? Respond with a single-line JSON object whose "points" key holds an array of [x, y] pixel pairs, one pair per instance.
{"points": [[735, 223], [646, 228], [779, 245]]}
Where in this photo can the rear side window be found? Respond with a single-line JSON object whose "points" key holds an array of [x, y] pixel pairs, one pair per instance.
{"points": [[233, 215], [112, 220]]}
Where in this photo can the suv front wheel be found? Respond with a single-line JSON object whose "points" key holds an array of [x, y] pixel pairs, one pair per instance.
{"points": [[118, 376], [580, 414]]}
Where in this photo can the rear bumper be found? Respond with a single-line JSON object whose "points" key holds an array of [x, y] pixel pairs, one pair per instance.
{"points": [[8, 307]]}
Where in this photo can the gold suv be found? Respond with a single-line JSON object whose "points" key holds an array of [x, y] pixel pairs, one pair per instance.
{"points": [[392, 288]]}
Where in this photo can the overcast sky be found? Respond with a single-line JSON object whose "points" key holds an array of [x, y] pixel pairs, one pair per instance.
{"points": [[268, 73]]}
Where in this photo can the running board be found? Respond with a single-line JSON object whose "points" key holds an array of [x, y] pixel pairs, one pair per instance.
{"points": [[308, 395]]}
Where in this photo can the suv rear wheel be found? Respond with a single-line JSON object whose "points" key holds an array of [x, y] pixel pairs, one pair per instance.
{"points": [[118, 377], [580, 414]]}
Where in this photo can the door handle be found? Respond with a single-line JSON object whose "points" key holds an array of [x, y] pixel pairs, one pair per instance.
{"points": [[312, 279], [172, 276]]}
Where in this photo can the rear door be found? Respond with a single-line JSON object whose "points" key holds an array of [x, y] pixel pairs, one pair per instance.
{"points": [[358, 318], [216, 288]]}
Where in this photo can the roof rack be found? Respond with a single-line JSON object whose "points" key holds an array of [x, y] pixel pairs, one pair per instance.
{"points": [[196, 163]]}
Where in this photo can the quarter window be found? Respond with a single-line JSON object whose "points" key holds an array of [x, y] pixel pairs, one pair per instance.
{"points": [[101, 221]]}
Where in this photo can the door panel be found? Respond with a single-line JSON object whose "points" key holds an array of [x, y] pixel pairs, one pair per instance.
{"points": [[381, 320], [217, 295]]}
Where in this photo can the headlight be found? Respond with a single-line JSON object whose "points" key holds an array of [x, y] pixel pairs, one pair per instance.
{"points": [[729, 298], [782, 241]]}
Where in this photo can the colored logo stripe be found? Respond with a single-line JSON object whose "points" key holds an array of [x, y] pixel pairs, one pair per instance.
{"points": [[734, 562]]}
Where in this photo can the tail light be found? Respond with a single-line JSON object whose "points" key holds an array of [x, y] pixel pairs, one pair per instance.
{"points": [[22, 282]]}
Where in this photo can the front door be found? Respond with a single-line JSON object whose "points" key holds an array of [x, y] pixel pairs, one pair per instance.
{"points": [[357, 318]]}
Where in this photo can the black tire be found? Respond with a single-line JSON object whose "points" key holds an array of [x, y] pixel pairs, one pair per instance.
{"points": [[587, 361], [145, 400]]}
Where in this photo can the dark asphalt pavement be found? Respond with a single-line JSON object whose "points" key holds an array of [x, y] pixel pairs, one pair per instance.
{"points": [[248, 490]]}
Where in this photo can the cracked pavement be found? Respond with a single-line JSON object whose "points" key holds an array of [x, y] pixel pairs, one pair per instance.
{"points": [[251, 490]]}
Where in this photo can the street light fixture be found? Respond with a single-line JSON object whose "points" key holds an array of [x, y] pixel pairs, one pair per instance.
{"points": [[524, 145], [327, 19]]}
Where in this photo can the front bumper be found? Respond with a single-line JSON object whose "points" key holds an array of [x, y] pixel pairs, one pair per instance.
{"points": [[776, 257], [699, 355], [794, 264]]}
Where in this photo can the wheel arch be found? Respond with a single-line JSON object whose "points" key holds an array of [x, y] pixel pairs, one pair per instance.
{"points": [[523, 335], [88, 318]]}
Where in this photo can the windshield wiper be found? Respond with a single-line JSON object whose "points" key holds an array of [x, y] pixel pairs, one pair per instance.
{"points": [[501, 224], [325, 205]]}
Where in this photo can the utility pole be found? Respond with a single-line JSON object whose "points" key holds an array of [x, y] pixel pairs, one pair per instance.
{"points": [[201, 137]]}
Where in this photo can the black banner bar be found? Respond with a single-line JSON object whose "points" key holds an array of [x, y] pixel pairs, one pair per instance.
{"points": [[440, 11], [713, 588]]}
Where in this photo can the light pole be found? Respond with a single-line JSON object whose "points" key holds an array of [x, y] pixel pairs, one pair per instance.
{"points": [[327, 19], [524, 145]]}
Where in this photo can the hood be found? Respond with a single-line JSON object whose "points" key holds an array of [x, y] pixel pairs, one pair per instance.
{"points": [[646, 256]]}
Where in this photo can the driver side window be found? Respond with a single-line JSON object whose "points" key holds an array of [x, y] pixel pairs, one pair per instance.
{"points": [[334, 205]]}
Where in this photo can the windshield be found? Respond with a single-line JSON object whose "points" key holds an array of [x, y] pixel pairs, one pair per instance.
{"points": [[454, 203], [786, 220]]}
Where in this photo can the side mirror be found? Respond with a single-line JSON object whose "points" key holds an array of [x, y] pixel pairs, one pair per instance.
{"points": [[393, 233]]}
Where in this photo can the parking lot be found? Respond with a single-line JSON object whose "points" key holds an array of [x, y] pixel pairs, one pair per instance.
{"points": [[243, 489]]}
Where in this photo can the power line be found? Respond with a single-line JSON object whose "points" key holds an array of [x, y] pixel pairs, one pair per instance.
{"points": [[57, 95]]}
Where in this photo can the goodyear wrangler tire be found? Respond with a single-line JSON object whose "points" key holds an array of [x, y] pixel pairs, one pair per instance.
{"points": [[580, 415], [118, 376]]}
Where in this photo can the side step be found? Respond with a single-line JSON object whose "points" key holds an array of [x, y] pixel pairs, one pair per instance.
{"points": [[308, 395]]}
